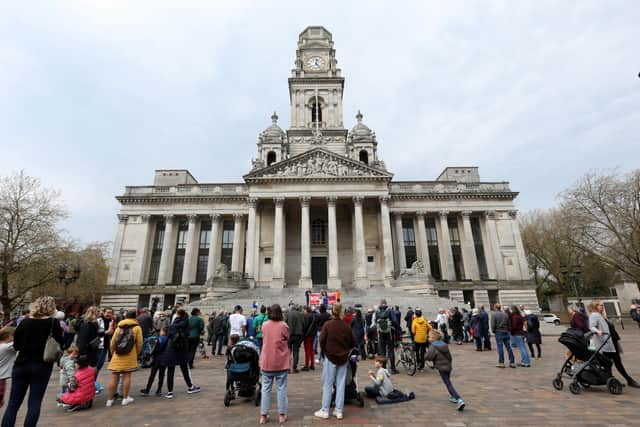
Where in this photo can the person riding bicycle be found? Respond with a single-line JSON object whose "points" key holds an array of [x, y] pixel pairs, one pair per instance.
{"points": [[387, 329]]}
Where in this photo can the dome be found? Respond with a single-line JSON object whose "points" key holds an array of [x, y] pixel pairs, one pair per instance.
{"points": [[360, 132], [273, 133]]}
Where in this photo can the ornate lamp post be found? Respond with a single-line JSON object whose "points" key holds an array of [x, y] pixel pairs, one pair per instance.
{"points": [[67, 276], [573, 277]]}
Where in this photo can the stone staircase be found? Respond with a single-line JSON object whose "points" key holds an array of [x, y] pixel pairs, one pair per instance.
{"points": [[128, 302]]}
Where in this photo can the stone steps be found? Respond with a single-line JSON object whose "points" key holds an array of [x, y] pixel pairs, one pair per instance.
{"points": [[128, 302]]}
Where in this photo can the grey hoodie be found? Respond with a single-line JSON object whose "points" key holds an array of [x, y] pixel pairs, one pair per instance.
{"points": [[500, 322], [440, 355]]}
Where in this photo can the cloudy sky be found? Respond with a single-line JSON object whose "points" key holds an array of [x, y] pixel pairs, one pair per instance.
{"points": [[95, 95]]}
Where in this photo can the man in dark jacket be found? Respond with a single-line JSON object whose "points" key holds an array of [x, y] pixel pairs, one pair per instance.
{"points": [[219, 333], [484, 318], [501, 328], [310, 330], [408, 319], [295, 320], [336, 341], [456, 325], [387, 328]]}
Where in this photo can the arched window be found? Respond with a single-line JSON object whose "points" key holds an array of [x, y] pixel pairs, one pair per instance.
{"points": [[316, 112], [318, 232], [364, 156], [271, 158]]}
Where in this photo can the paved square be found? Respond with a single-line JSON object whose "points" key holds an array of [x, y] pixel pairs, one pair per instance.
{"points": [[495, 397]]}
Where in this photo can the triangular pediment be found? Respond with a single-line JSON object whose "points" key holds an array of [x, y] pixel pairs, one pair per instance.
{"points": [[318, 164]]}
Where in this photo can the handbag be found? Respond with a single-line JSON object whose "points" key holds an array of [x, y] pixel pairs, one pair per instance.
{"points": [[52, 351]]}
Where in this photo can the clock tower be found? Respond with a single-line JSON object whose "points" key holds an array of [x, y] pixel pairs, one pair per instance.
{"points": [[315, 92]]}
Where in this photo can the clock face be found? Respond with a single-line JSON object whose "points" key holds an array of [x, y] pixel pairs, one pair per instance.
{"points": [[315, 63]]}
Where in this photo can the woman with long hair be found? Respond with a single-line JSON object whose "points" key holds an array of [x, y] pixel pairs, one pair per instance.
{"points": [[30, 371], [274, 363], [517, 334]]}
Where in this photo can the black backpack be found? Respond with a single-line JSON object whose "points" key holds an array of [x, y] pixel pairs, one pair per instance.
{"points": [[383, 322], [179, 342], [124, 340]]}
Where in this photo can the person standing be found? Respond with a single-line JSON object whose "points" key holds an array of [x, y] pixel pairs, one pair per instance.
{"points": [[210, 320], [533, 333], [336, 341], [442, 321], [126, 345], [466, 324], [600, 326], [517, 334], [501, 327], [237, 323], [88, 341], [274, 363], [357, 325], [579, 319], [258, 323], [177, 353], [310, 330], [484, 318], [408, 320], [30, 370], [295, 321], [322, 318], [456, 325], [386, 333], [307, 294], [196, 328], [7, 358], [219, 333], [420, 330]]}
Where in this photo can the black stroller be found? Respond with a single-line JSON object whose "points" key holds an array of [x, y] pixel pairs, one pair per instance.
{"points": [[351, 392], [587, 368], [243, 372]]}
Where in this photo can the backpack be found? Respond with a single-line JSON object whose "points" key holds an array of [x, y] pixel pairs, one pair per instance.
{"points": [[124, 340], [179, 342], [383, 322]]}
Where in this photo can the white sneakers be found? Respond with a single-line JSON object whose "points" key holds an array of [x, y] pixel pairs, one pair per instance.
{"points": [[109, 403], [338, 415], [127, 400], [325, 414]]}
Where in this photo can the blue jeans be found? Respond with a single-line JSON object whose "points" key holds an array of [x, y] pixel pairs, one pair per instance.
{"points": [[503, 339], [522, 348], [30, 376], [281, 388], [446, 379], [372, 390], [333, 374]]}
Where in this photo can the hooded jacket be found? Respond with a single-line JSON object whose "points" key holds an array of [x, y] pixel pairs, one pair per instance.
{"points": [[439, 354], [86, 389], [420, 329], [126, 362]]}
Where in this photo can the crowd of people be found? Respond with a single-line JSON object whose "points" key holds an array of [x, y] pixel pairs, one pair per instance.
{"points": [[329, 335]]}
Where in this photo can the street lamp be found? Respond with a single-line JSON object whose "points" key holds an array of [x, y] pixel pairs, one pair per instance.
{"points": [[573, 277], [67, 276]]}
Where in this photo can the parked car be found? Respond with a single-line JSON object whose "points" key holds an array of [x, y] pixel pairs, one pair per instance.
{"points": [[550, 318]]}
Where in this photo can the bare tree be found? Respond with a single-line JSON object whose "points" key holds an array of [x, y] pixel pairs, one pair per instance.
{"points": [[29, 237], [606, 212]]}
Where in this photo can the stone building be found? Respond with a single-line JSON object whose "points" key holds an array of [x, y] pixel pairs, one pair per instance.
{"points": [[319, 208]]}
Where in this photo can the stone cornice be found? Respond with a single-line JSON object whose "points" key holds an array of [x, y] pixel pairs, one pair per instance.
{"points": [[455, 196], [176, 199]]}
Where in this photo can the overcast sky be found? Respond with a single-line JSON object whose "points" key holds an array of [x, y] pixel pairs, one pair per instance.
{"points": [[96, 95]]}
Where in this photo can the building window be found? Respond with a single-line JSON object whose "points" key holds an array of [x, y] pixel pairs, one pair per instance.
{"points": [[370, 258], [156, 253], [318, 232], [364, 156], [203, 252], [432, 243], [456, 250], [409, 237], [267, 260], [479, 247], [316, 113], [227, 243], [271, 158], [181, 245]]}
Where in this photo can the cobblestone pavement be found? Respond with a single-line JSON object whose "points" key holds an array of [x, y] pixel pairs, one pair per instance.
{"points": [[495, 397]]}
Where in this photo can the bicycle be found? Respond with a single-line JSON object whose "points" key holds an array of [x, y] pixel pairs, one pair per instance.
{"points": [[406, 356]]}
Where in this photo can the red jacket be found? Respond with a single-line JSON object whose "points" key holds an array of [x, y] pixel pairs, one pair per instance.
{"points": [[86, 387]]}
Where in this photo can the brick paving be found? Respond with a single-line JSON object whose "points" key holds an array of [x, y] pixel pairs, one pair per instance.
{"points": [[495, 397]]}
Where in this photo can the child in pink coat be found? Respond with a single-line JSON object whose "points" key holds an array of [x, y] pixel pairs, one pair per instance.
{"points": [[81, 389]]}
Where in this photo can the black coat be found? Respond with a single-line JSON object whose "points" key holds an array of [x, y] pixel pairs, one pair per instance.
{"points": [[533, 330], [87, 332], [170, 357], [357, 325]]}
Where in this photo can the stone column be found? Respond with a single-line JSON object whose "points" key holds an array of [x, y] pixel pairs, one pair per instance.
{"points": [[214, 247], [236, 253], [191, 252], [469, 258], [361, 279], [402, 258], [334, 281], [444, 247], [422, 241], [488, 248], [145, 244], [387, 248], [168, 251], [305, 244], [249, 262], [278, 240], [117, 247], [517, 238]]}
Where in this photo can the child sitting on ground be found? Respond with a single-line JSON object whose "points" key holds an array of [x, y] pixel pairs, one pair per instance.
{"points": [[67, 367], [157, 364], [439, 354], [81, 388], [381, 379], [7, 357]]}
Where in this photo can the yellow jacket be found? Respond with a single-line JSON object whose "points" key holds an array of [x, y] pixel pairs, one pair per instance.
{"points": [[126, 362], [420, 329]]}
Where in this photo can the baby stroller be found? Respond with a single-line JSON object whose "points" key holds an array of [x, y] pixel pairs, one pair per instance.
{"points": [[587, 368], [351, 392], [243, 372]]}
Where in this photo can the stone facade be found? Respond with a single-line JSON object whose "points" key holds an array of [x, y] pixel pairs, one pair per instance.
{"points": [[319, 208]]}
